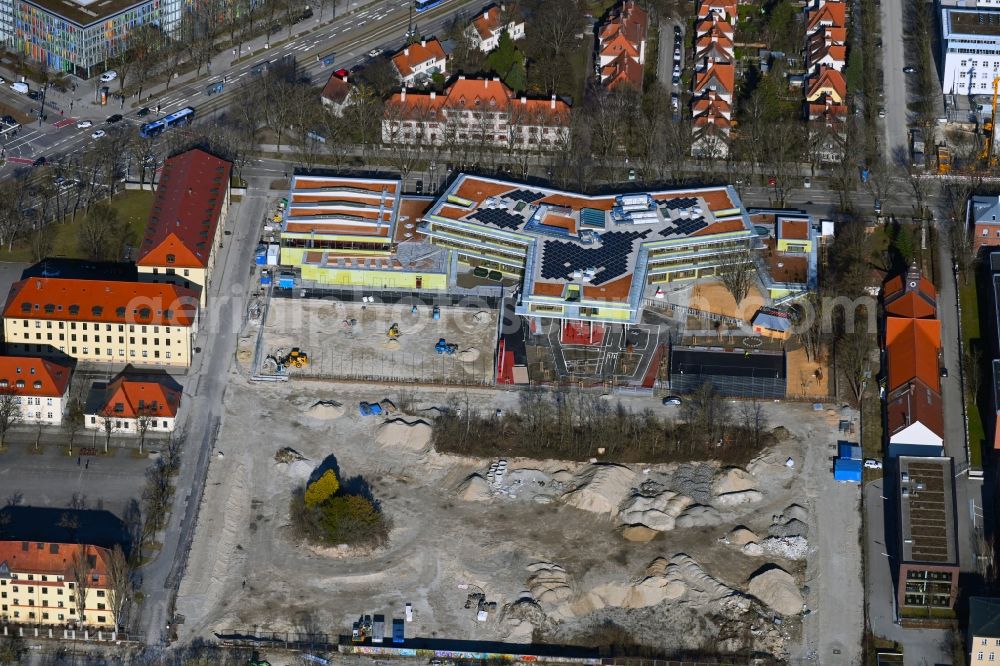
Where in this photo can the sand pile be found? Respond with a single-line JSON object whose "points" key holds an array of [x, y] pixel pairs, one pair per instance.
{"points": [[792, 528], [699, 515], [653, 588], [732, 480], [549, 584], [474, 489], [601, 488], [777, 590], [468, 355], [639, 533], [658, 512], [738, 498], [740, 536], [520, 619], [399, 433], [300, 470], [325, 410]]}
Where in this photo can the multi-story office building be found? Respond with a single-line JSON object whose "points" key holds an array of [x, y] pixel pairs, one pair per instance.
{"points": [[79, 37], [102, 321], [970, 50], [983, 633], [38, 584], [185, 225], [38, 386]]}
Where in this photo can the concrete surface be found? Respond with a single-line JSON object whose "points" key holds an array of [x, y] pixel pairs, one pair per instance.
{"points": [[893, 62]]}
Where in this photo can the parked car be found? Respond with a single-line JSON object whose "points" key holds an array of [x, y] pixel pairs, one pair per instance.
{"points": [[114, 118], [40, 161], [676, 80], [677, 54], [98, 134], [84, 124], [944, 371], [672, 400], [143, 112], [374, 53], [677, 70], [909, 70], [10, 120], [871, 463], [677, 30], [881, 113], [109, 75], [34, 94]]}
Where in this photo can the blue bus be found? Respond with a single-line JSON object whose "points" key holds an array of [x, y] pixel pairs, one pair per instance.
{"points": [[158, 127], [424, 5]]}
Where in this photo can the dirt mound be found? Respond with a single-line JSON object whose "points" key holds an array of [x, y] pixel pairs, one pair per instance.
{"points": [[699, 515], [790, 548], [601, 488], [781, 433], [482, 317], [549, 584], [733, 480], [410, 435], [753, 549], [739, 497], [652, 589], [741, 536], [468, 355], [474, 489], [777, 590], [639, 533], [287, 455], [792, 528], [325, 410], [702, 587], [693, 480], [796, 511], [658, 512]]}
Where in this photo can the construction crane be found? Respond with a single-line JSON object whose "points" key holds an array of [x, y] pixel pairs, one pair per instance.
{"points": [[987, 156]]}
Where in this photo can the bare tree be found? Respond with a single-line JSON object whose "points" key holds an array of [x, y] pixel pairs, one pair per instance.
{"points": [[853, 352], [753, 420], [10, 411], [120, 592], [737, 272], [108, 424], [144, 418], [80, 567], [973, 361]]}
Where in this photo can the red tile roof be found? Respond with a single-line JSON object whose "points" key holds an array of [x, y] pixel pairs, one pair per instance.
{"points": [[827, 78], [336, 89], [831, 13], [487, 22], [38, 376], [622, 69], [128, 398], [54, 559], [722, 75], [911, 295], [102, 301], [725, 8], [185, 215], [912, 347], [629, 20], [912, 403], [473, 94], [622, 38], [714, 23], [415, 54]]}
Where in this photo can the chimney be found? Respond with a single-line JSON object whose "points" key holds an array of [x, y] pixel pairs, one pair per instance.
{"points": [[461, 77], [552, 102], [345, 78], [402, 95], [524, 100], [486, 14], [406, 52], [486, 83], [423, 42], [433, 95]]}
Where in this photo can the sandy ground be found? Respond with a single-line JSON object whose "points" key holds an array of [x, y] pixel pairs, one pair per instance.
{"points": [[802, 374], [714, 297], [443, 546], [340, 349]]}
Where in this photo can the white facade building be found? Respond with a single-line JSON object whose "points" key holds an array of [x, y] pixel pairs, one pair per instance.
{"points": [[970, 44]]}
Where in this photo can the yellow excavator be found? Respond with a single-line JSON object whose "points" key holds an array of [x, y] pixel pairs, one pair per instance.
{"points": [[987, 156]]}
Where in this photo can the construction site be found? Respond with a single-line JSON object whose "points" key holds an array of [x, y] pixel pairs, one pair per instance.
{"points": [[689, 557]]}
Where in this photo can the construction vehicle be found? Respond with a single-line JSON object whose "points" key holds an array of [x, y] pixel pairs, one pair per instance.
{"points": [[294, 359], [393, 333], [943, 160], [378, 629], [445, 347], [987, 156], [369, 408], [917, 147]]}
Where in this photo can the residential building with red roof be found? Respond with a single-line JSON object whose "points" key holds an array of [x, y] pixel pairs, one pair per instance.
{"points": [[827, 82], [829, 14], [982, 215], [822, 50], [621, 46], [726, 9], [102, 321], [39, 386], [486, 27], [337, 93], [132, 402], [714, 23], [186, 223], [719, 78], [828, 113], [476, 111], [38, 582], [420, 61]]}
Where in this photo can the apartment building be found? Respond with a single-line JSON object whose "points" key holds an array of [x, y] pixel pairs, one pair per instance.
{"points": [[186, 223], [102, 321], [129, 399], [621, 46], [970, 50], [476, 111], [39, 387], [39, 586], [927, 539], [79, 37], [983, 632], [419, 61], [485, 29], [982, 216]]}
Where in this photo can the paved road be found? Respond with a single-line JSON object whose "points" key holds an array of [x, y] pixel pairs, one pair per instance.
{"points": [[202, 414], [893, 61]]}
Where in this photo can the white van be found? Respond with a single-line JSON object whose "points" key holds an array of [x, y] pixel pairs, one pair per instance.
{"points": [[19, 87]]}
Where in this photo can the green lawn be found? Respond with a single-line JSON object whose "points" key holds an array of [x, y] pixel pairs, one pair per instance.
{"points": [[970, 335], [132, 205]]}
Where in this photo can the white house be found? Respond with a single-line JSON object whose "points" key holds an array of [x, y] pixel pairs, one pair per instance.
{"points": [[484, 31], [420, 61], [38, 387], [125, 401], [970, 50]]}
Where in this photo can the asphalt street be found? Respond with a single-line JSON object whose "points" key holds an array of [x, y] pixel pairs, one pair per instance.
{"points": [[893, 62]]}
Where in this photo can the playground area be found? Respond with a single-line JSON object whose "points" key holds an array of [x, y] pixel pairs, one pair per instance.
{"points": [[387, 342]]}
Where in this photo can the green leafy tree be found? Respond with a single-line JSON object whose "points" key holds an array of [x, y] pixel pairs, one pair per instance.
{"points": [[349, 517], [322, 489], [508, 63]]}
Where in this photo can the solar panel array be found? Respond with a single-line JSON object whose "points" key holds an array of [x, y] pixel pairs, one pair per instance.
{"points": [[527, 196], [682, 203], [560, 258], [685, 227], [498, 218]]}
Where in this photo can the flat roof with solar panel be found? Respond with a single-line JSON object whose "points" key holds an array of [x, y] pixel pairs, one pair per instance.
{"points": [[926, 499]]}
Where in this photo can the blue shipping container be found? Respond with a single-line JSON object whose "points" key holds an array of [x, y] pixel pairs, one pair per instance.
{"points": [[847, 470], [397, 630], [260, 259], [265, 278]]}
